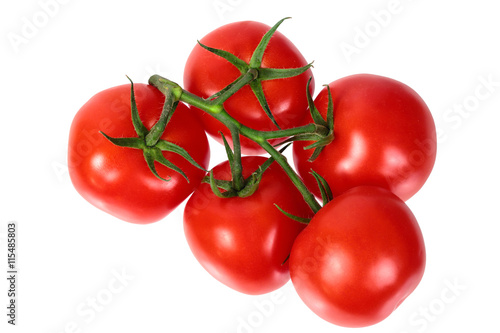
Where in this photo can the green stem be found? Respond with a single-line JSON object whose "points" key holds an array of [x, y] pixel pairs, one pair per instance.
{"points": [[230, 90], [260, 137], [237, 168], [281, 160], [201, 103], [158, 128], [163, 85], [309, 128]]}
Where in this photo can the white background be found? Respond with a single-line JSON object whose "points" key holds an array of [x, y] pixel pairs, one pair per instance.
{"points": [[70, 252]]}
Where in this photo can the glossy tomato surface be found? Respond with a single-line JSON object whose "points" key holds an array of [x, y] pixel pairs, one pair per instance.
{"points": [[118, 180], [384, 136], [244, 242], [206, 73], [361, 255]]}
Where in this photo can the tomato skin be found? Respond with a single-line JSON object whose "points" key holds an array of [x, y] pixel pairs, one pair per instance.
{"points": [[242, 242], [384, 136], [118, 180], [206, 73], [361, 255]]}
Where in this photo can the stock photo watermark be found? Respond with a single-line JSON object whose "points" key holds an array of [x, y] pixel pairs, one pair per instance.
{"points": [[11, 239], [263, 310], [88, 310], [222, 7], [365, 34], [32, 24], [92, 139], [427, 314], [454, 116], [424, 150], [150, 70], [61, 170]]}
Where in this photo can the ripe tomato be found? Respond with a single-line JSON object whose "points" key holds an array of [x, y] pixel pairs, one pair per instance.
{"points": [[243, 242], [361, 255], [118, 180], [384, 136], [206, 73]]}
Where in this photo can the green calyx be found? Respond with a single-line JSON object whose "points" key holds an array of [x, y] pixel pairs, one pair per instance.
{"points": [[149, 141], [250, 185], [319, 145], [256, 74], [238, 186], [325, 135]]}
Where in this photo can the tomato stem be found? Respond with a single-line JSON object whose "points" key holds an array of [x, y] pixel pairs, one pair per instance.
{"points": [[281, 160], [260, 137], [233, 87], [158, 128], [306, 129], [237, 169]]}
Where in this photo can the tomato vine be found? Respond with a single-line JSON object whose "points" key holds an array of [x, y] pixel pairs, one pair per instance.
{"points": [[253, 222]]}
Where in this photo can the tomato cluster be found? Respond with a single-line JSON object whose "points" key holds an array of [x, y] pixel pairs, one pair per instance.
{"points": [[254, 222]]}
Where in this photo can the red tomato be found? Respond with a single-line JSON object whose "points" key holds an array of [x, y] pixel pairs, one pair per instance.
{"points": [[206, 73], [384, 136], [359, 258], [118, 180], [243, 242]]}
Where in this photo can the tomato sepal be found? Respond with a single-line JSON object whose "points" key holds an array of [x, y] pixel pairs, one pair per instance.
{"points": [[293, 217], [149, 140], [230, 192], [316, 116], [323, 133], [136, 143], [225, 185], [139, 127], [324, 188], [234, 60], [152, 155], [165, 145], [258, 54], [319, 145], [259, 93]]}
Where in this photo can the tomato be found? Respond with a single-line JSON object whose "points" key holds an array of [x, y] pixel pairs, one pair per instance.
{"points": [[244, 242], [118, 180], [206, 73], [384, 136], [361, 255]]}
